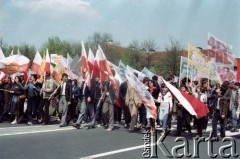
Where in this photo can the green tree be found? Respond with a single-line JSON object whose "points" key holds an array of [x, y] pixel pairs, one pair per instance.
{"points": [[170, 63]]}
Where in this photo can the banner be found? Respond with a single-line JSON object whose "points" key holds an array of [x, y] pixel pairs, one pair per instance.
{"points": [[199, 62], [184, 68], [220, 51], [238, 69], [222, 57], [148, 73], [55, 58], [143, 93]]}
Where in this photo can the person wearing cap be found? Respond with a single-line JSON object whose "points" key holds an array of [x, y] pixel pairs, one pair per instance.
{"points": [[46, 91], [234, 106]]}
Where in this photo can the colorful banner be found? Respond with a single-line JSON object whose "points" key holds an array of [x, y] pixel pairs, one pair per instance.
{"points": [[55, 58], [219, 50], [199, 62], [222, 58], [143, 93]]}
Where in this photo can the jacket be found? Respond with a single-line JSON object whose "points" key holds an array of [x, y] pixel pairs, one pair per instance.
{"points": [[223, 107]]}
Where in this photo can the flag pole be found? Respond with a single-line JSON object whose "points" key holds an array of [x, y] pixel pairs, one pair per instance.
{"points": [[179, 81], [188, 61]]}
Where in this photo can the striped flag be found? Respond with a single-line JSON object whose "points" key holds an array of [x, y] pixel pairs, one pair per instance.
{"points": [[2, 56], [143, 94], [36, 64], [190, 103], [105, 70], [90, 61]]}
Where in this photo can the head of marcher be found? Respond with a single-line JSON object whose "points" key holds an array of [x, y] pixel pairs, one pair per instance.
{"points": [[33, 78], [64, 77]]}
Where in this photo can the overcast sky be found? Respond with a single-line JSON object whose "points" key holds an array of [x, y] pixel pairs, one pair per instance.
{"points": [[188, 21]]}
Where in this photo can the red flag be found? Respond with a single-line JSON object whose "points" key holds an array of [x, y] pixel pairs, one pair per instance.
{"points": [[36, 64], [47, 65], [238, 69], [90, 60], [84, 68], [189, 102], [200, 108], [105, 70]]}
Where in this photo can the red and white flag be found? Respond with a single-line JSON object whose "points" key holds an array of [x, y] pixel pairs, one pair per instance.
{"points": [[47, 65], [90, 61], [84, 68], [36, 64], [96, 68], [190, 103], [2, 56], [13, 64], [57, 72], [105, 70]]}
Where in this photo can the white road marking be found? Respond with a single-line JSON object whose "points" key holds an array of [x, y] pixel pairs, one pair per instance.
{"points": [[28, 126], [113, 152], [34, 132]]}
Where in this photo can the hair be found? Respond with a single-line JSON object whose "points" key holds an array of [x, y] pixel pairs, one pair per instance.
{"points": [[34, 76], [226, 84], [184, 87], [171, 77], [19, 79], [202, 89], [163, 86], [155, 78], [145, 79], [64, 75], [185, 80], [151, 81], [75, 82], [113, 72]]}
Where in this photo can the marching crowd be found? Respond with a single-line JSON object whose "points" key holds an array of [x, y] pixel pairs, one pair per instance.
{"points": [[99, 104]]}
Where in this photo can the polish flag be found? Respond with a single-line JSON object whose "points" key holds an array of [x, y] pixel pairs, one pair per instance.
{"points": [[190, 103], [238, 69], [13, 64], [36, 64], [2, 76], [90, 61], [2, 56], [84, 68], [47, 65], [57, 72], [105, 70], [96, 68]]}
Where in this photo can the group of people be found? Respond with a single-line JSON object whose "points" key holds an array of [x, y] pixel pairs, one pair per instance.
{"points": [[105, 104]]}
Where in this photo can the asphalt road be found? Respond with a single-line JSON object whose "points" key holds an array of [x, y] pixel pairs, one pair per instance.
{"points": [[51, 142]]}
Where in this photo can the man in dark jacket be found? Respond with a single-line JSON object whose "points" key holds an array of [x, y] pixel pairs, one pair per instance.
{"points": [[64, 91], [87, 95], [220, 111]]}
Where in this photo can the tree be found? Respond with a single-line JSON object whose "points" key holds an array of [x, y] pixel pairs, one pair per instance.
{"points": [[149, 46], [57, 46], [170, 63]]}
